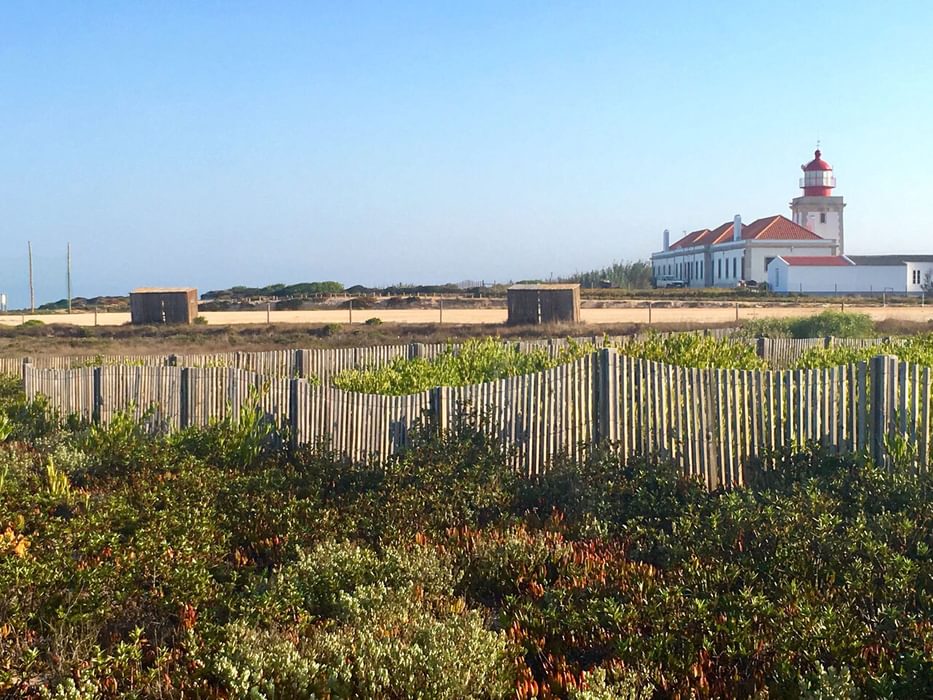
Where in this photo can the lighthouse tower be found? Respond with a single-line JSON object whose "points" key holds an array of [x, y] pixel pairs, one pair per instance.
{"points": [[818, 210]]}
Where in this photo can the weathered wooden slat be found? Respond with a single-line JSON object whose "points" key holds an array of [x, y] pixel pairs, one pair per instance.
{"points": [[710, 422]]}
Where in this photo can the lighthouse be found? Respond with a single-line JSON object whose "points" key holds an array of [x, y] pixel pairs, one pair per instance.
{"points": [[818, 210]]}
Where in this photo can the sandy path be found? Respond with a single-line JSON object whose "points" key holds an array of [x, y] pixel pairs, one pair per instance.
{"points": [[697, 315]]}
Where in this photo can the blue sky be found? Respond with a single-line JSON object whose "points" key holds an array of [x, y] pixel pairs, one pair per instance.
{"points": [[217, 143]]}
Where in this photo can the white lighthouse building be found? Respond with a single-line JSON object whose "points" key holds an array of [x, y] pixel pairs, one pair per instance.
{"points": [[736, 253], [818, 210]]}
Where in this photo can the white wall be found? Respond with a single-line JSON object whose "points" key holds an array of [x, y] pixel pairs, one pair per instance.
{"points": [[731, 258], [755, 254], [829, 230], [687, 266], [806, 211], [751, 254], [923, 269], [828, 279]]}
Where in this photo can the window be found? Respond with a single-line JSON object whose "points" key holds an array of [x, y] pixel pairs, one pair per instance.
{"points": [[719, 276], [768, 262], [733, 268], [916, 277], [823, 217]]}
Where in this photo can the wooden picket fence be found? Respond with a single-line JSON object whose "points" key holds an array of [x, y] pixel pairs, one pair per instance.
{"points": [[324, 364], [782, 353], [712, 423]]}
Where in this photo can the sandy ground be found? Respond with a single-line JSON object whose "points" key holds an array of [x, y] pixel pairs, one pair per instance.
{"points": [[697, 315]]}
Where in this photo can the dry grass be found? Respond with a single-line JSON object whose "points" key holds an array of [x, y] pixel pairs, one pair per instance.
{"points": [[61, 339]]}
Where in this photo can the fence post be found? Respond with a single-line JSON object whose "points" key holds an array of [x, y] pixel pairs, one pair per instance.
{"points": [[607, 396], [98, 395], [28, 379], [882, 374], [184, 390], [761, 347], [712, 427], [294, 422], [440, 407]]}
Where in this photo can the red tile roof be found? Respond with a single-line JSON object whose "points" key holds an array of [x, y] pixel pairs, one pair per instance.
{"points": [[777, 228], [721, 233], [817, 260], [689, 239], [771, 228]]}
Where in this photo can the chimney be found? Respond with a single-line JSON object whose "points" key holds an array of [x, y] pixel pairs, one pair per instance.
{"points": [[737, 228], [667, 239]]}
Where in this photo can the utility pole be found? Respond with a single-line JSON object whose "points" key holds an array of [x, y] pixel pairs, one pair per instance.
{"points": [[32, 291], [69, 278]]}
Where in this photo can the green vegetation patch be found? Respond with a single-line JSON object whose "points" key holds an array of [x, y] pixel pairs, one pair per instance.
{"points": [[490, 359], [916, 349], [837, 324], [220, 563], [476, 362]]}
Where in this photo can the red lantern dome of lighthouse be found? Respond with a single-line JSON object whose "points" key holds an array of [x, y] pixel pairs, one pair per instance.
{"points": [[817, 180]]}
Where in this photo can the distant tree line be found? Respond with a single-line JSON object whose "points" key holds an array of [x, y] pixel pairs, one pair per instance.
{"points": [[276, 290], [303, 289], [625, 275]]}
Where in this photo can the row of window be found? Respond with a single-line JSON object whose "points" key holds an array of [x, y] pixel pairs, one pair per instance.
{"points": [[734, 269], [695, 270], [817, 177]]}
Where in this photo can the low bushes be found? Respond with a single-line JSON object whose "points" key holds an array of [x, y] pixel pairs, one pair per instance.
{"points": [[489, 359], [189, 567], [837, 324], [477, 361], [916, 349]]}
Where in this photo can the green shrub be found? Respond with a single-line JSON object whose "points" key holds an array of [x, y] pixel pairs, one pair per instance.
{"points": [[837, 324], [462, 477], [374, 321], [239, 439], [490, 359], [321, 583], [766, 328], [476, 362], [176, 570], [119, 446], [829, 684], [373, 626], [24, 419], [694, 350], [395, 647], [832, 323], [916, 349], [200, 321]]}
